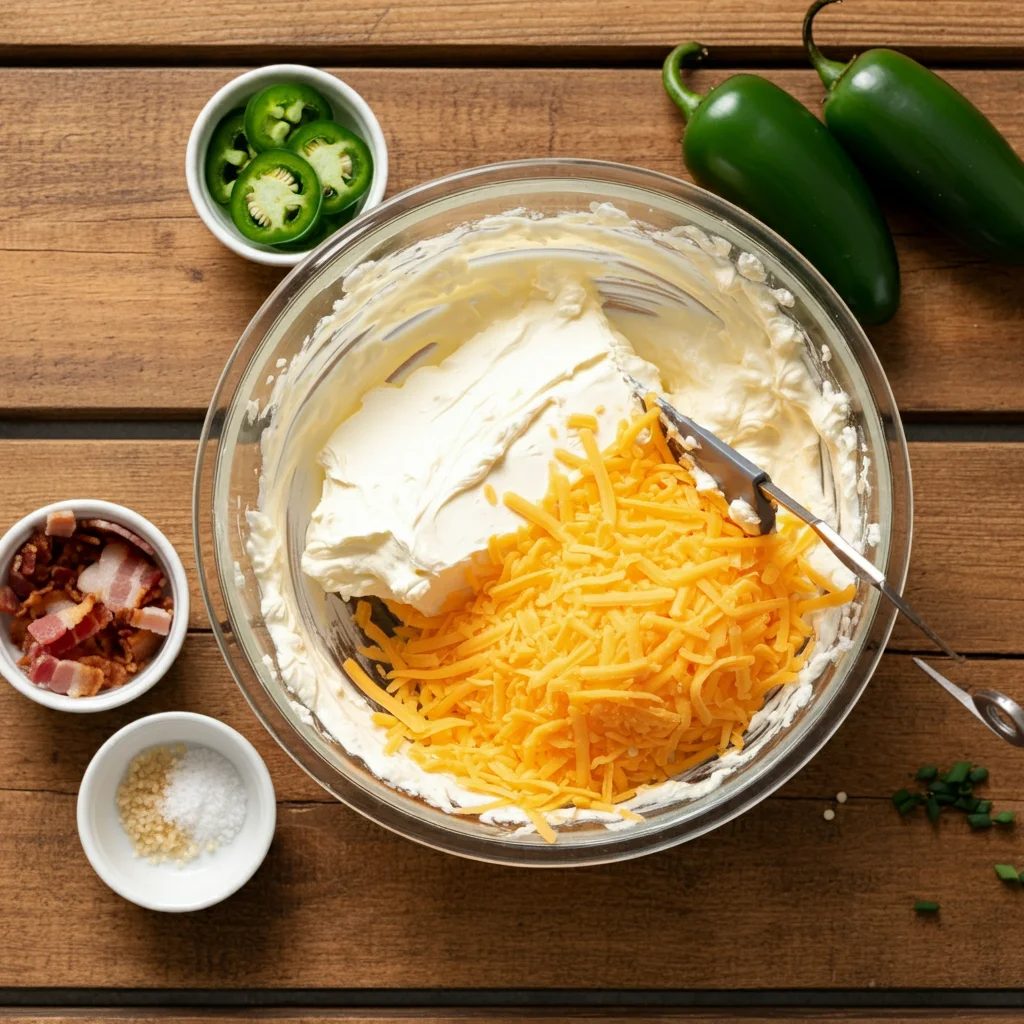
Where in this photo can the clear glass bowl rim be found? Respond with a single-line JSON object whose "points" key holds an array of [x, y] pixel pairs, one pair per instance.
{"points": [[620, 845]]}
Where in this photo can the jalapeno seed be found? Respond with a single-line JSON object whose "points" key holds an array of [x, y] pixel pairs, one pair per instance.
{"points": [[342, 161], [277, 198]]}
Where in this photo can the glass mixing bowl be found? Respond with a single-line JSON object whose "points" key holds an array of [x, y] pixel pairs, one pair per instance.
{"points": [[230, 465]]}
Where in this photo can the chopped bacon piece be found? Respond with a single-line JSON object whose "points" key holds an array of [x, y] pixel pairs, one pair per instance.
{"points": [[61, 523], [70, 677], [19, 584], [63, 576], [28, 559], [139, 644], [105, 526], [114, 674], [38, 602], [120, 578], [71, 595], [156, 620], [59, 631]]}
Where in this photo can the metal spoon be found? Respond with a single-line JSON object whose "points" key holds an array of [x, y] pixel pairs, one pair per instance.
{"points": [[738, 477], [1003, 716]]}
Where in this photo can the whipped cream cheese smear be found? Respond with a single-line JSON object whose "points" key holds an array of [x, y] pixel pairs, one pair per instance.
{"points": [[464, 357]]}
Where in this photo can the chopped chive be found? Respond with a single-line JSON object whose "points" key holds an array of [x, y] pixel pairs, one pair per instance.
{"points": [[926, 773], [978, 774], [940, 787], [984, 806], [926, 907], [932, 809], [900, 796], [1022, 876], [958, 773], [1005, 818], [979, 820], [910, 803], [946, 799], [1007, 872], [967, 803], [965, 788]]}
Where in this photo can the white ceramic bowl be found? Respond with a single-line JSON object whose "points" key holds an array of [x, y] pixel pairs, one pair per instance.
{"points": [[210, 877], [167, 560], [350, 110]]}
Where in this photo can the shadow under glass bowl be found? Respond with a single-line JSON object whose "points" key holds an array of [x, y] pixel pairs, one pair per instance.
{"points": [[230, 464]]}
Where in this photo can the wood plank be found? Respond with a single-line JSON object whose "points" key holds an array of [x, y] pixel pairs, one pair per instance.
{"points": [[902, 721], [343, 903], [484, 30], [152, 477], [956, 551], [120, 303]]}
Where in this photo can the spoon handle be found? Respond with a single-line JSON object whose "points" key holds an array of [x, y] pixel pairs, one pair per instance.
{"points": [[862, 567]]}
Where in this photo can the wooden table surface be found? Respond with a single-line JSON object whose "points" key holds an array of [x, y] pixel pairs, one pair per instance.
{"points": [[118, 312]]}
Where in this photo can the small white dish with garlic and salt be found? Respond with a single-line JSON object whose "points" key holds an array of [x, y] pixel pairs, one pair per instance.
{"points": [[222, 770]]}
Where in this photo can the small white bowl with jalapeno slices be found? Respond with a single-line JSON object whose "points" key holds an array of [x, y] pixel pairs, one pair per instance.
{"points": [[316, 159]]}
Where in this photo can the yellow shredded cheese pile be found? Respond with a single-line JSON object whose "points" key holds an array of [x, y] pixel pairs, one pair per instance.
{"points": [[627, 631]]}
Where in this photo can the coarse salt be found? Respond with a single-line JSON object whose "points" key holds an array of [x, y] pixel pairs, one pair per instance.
{"points": [[205, 798], [829, 814]]}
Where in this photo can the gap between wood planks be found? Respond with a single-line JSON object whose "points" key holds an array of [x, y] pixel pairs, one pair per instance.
{"points": [[949, 428], [482, 57], [454, 1006]]}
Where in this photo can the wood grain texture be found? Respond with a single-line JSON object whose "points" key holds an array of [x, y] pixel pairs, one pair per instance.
{"points": [[483, 30], [964, 574], [120, 303], [152, 477], [343, 903], [903, 720]]}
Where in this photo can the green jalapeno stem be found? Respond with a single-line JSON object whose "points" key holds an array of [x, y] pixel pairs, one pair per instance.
{"points": [[671, 76], [830, 71]]}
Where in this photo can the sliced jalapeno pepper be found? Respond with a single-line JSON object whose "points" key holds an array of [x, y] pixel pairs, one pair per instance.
{"points": [[227, 153], [273, 113], [325, 227], [276, 198], [342, 161]]}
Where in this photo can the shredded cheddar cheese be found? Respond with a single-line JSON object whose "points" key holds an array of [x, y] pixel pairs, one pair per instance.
{"points": [[627, 631]]}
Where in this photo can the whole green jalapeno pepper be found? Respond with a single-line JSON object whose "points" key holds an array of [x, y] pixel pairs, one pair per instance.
{"points": [[753, 144], [912, 132]]}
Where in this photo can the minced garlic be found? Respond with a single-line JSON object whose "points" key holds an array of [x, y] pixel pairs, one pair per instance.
{"points": [[139, 801]]}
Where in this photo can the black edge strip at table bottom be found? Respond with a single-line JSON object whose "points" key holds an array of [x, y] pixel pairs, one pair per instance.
{"points": [[950, 429], [596, 999]]}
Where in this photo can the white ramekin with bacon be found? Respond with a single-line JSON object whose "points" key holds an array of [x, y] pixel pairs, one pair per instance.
{"points": [[94, 605]]}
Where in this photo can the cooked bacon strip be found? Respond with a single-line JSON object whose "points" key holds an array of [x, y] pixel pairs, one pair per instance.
{"points": [[9, 603], [59, 631], [61, 523], [120, 579], [156, 620], [70, 677], [105, 526]]}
